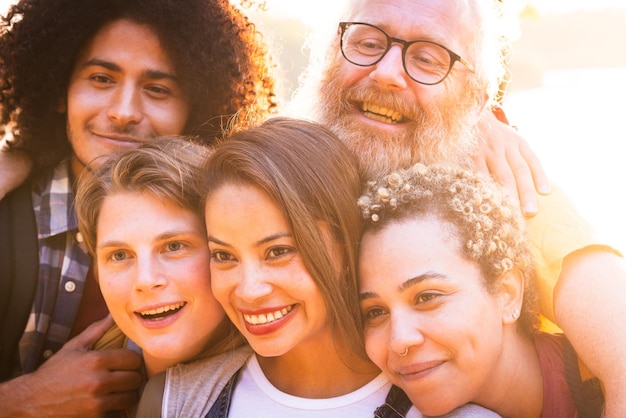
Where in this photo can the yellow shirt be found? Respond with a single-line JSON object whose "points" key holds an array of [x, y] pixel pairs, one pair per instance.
{"points": [[555, 232]]}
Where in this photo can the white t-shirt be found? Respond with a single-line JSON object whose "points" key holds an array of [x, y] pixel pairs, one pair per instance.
{"points": [[255, 396]]}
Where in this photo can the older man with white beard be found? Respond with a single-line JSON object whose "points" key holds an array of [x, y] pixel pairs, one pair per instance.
{"points": [[408, 81]]}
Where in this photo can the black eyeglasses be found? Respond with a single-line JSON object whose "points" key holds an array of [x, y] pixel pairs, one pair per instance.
{"points": [[426, 62]]}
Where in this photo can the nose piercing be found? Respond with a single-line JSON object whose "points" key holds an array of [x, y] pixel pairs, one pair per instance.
{"points": [[405, 352]]}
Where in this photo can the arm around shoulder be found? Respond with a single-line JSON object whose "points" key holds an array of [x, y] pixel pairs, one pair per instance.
{"points": [[589, 307], [76, 381], [17, 397], [506, 155]]}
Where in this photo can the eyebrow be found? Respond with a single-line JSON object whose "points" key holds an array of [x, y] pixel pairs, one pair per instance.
{"points": [[407, 284], [265, 240], [111, 66]]}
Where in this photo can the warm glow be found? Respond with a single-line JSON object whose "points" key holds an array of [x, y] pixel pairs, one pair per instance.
{"points": [[571, 117]]}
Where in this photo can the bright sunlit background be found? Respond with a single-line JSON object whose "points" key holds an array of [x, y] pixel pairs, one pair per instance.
{"points": [[567, 94]]}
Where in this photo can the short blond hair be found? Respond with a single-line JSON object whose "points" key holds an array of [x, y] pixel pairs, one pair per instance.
{"points": [[166, 167]]}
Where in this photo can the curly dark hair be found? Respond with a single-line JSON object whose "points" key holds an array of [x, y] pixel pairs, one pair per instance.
{"points": [[488, 223], [219, 55]]}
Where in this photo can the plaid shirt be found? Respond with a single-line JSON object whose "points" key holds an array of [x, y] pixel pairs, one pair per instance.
{"points": [[63, 267]]}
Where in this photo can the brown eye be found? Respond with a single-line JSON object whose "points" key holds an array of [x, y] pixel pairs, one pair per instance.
{"points": [[276, 252], [425, 297], [221, 256], [374, 315]]}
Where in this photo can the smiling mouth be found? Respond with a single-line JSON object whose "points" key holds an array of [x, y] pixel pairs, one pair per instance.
{"points": [[266, 318], [119, 137], [418, 370], [382, 114], [162, 312]]}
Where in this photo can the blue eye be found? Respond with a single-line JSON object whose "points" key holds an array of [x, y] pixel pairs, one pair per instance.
{"points": [[174, 246], [118, 255]]}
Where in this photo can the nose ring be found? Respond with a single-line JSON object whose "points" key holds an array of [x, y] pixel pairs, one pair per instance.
{"points": [[405, 352]]}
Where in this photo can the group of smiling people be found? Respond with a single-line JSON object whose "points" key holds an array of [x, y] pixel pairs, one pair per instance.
{"points": [[293, 268], [411, 293]]}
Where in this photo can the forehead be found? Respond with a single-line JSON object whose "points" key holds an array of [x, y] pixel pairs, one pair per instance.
{"points": [[410, 248], [127, 39], [418, 234], [235, 199], [449, 22]]}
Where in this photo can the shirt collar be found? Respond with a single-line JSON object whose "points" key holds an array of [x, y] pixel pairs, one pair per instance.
{"points": [[53, 200]]}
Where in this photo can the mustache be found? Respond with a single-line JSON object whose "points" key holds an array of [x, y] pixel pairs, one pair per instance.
{"points": [[392, 100], [126, 130]]}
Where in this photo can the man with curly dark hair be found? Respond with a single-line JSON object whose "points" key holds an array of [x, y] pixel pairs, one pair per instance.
{"points": [[81, 80]]}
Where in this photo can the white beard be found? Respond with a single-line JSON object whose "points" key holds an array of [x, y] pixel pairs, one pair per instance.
{"points": [[441, 133]]}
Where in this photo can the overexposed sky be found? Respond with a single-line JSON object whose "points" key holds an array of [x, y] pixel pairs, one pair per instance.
{"points": [[312, 10], [570, 5], [565, 135]]}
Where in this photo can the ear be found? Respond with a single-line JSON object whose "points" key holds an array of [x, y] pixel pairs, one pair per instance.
{"points": [[511, 296]]}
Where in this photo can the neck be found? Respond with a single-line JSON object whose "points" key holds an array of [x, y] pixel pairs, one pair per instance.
{"points": [[155, 365], [222, 340], [76, 167], [325, 371], [519, 391]]}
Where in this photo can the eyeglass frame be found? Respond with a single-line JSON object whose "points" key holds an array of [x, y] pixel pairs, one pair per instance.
{"points": [[454, 57]]}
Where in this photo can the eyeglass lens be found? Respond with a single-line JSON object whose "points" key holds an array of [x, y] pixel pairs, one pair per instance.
{"points": [[424, 61]]}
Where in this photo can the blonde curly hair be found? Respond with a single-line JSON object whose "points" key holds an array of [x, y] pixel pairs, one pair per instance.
{"points": [[488, 224]]}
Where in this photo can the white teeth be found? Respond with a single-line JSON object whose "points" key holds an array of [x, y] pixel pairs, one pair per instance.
{"points": [[381, 114], [162, 309], [268, 317]]}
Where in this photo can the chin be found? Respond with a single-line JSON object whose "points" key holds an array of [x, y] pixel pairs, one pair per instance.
{"points": [[431, 405]]}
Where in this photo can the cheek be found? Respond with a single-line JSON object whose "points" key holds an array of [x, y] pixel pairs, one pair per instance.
{"points": [[170, 119], [350, 74], [82, 100], [111, 283], [213, 306], [376, 346], [221, 286], [116, 292], [431, 99], [196, 280], [212, 312]]}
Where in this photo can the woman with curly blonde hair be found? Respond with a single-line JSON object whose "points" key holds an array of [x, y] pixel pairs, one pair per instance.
{"points": [[448, 300]]}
